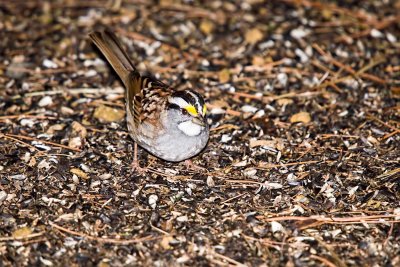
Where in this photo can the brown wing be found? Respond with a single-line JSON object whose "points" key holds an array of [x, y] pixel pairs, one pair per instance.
{"points": [[153, 97]]}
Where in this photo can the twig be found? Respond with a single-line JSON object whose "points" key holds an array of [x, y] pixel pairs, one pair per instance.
{"points": [[74, 91], [388, 174], [227, 111], [243, 182], [389, 234], [265, 240], [39, 140], [270, 166], [12, 238], [371, 117], [366, 17], [328, 72], [325, 136], [149, 169], [292, 95], [348, 68], [194, 12], [323, 260], [230, 260], [379, 26], [140, 37], [334, 61], [159, 230], [233, 112], [19, 141], [332, 219], [45, 71], [232, 198], [224, 126], [102, 239], [23, 116], [265, 67], [386, 136], [106, 203], [109, 103], [376, 219], [276, 97], [338, 262]]}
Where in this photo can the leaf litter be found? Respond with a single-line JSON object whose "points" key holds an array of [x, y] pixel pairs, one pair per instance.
{"points": [[302, 167]]}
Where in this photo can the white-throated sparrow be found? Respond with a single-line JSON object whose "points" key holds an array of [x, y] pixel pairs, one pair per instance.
{"points": [[169, 124]]}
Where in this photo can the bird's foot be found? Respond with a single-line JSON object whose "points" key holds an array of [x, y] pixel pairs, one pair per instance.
{"points": [[136, 167], [190, 165]]}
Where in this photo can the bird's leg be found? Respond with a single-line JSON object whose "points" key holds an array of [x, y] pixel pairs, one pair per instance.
{"points": [[135, 158], [135, 163]]}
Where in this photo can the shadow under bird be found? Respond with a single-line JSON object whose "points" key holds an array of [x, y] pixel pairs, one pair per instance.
{"points": [[167, 123]]}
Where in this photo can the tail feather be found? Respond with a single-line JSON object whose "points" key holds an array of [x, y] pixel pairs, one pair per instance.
{"points": [[111, 48]]}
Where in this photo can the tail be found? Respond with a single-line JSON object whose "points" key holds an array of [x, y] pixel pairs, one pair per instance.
{"points": [[111, 48]]}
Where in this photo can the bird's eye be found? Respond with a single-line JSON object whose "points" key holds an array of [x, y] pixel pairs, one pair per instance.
{"points": [[184, 111]]}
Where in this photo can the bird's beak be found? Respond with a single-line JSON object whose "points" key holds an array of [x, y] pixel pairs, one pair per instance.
{"points": [[199, 121]]}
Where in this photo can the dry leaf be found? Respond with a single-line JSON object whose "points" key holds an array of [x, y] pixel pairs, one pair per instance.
{"points": [[56, 127], [79, 129], [108, 114], [327, 13], [301, 198], [210, 181], [75, 142], [253, 36], [256, 143], [103, 264], [206, 27], [395, 90], [280, 145], [224, 76], [22, 232], [32, 162], [284, 101], [164, 243], [79, 173], [258, 61], [301, 117]]}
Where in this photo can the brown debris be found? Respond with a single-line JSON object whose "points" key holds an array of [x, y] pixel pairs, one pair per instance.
{"points": [[302, 167]]}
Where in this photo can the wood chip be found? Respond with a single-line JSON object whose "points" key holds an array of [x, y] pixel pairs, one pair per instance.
{"points": [[301, 117], [108, 114], [79, 173], [253, 36], [22, 232]]}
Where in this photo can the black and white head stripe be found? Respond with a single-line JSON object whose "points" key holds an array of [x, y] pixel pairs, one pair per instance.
{"points": [[192, 101]]}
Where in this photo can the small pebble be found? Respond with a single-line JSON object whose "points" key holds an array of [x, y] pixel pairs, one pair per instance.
{"points": [[49, 64], [45, 101]]}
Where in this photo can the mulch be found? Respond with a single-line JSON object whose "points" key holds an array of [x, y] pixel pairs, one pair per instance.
{"points": [[303, 163]]}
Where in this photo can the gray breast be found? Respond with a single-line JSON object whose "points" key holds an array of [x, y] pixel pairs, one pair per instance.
{"points": [[173, 145], [176, 146]]}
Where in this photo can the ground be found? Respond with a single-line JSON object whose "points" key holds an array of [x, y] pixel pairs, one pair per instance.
{"points": [[301, 169]]}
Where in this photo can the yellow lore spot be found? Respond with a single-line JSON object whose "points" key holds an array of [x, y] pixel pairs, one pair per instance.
{"points": [[204, 110], [192, 110]]}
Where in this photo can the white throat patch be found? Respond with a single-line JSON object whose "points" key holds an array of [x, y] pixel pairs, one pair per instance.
{"points": [[189, 128]]}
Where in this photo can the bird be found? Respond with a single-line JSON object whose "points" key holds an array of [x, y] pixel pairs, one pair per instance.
{"points": [[170, 124]]}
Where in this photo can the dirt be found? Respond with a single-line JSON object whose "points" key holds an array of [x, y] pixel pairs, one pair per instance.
{"points": [[301, 169]]}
